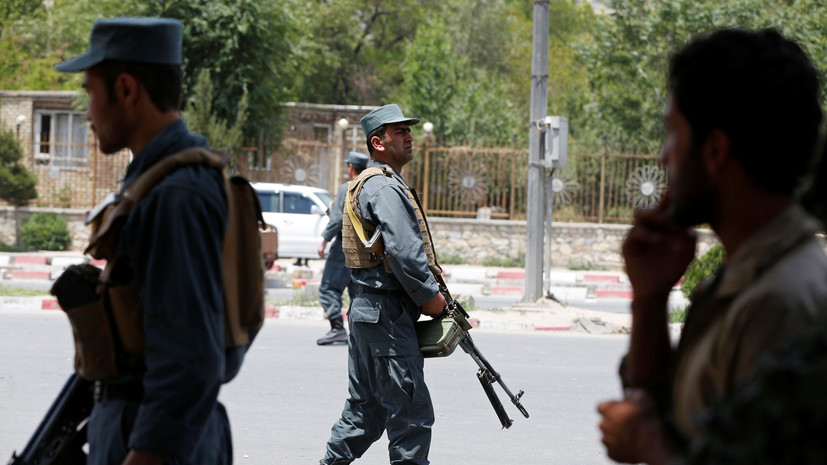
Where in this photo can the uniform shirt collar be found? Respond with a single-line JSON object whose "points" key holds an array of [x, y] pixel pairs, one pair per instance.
{"points": [[379, 164], [765, 247], [173, 138]]}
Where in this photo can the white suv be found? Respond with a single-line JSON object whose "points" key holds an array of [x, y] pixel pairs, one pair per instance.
{"points": [[299, 213]]}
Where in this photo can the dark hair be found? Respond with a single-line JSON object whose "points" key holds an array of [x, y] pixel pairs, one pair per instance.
{"points": [[378, 132], [162, 82], [761, 90]]}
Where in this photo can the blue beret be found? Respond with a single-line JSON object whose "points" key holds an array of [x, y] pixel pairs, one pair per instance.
{"points": [[154, 41], [359, 160], [385, 115]]}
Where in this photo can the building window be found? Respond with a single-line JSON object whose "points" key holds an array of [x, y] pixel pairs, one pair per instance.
{"points": [[255, 161], [61, 139]]}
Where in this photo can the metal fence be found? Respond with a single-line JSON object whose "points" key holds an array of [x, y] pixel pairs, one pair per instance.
{"points": [[77, 181], [598, 185]]}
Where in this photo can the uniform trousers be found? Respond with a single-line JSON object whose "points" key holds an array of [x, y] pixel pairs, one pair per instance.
{"points": [[110, 425], [386, 384], [335, 278]]}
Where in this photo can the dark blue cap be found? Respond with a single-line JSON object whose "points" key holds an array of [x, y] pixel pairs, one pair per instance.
{"points": [[385, 115], [155, 41], [359, 160]]}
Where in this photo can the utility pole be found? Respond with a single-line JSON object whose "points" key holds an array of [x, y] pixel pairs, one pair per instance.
{"points": [[535, 210]]}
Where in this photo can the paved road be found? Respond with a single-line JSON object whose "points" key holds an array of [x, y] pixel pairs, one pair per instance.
{"points": [[290, 392]]}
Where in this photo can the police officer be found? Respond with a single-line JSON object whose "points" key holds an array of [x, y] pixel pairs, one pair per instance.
{"points": [[165, 409], [336, 277], [386, 380]]}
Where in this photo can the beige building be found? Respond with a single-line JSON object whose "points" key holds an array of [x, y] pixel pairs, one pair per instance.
{"points": [[60, 147]]}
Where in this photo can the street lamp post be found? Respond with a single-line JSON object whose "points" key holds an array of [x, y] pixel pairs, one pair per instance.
{"points": [[342, 124], [428, 127]]}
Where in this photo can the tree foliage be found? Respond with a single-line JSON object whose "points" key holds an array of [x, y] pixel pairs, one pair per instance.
{"points": [[17, 184], [203, 120], [35, 38], [627, 56], [351, 51], [245, 45], [464, 65]]}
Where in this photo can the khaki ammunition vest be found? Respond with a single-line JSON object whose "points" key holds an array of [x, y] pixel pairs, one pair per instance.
{"points": [[241, 258], [356, 230]]}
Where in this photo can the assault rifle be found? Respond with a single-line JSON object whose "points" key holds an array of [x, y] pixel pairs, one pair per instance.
{"points": [[439, 337], [59, 438]]}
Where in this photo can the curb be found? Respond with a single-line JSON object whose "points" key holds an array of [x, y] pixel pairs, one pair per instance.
{"points": [[285, 312], [28, 303]]}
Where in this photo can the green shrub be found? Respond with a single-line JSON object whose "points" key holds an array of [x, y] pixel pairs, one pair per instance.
{"points": [[701, 268], [506, 262], [678, 315], [9, 248], [452, 260], [45, 231]]}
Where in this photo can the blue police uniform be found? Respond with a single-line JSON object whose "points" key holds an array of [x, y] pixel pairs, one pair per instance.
{"points": [[335, 277], [386, 380], [171, 249]]}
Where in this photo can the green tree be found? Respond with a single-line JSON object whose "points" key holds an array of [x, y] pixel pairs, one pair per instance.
{"points": [[432, 78], [247, 46], [351, 51], [17, 184], [202, 119], [35, 38], [11, 10], [627, 56], [570, 22]]}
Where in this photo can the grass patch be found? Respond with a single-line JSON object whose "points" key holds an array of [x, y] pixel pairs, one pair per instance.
{"points": [[11, 291], [467, 303], [10, 248], [452, 260], [307, 296], [678, 315], [505, 262]]}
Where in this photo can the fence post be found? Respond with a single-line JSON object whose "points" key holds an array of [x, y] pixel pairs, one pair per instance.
{"points": [[425, 176], [94, 170], [513, 170], [601, 197]]}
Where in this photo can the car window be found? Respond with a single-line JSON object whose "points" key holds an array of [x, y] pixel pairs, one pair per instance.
{"points": [[326, 199], [297, 203], [269, 202]]}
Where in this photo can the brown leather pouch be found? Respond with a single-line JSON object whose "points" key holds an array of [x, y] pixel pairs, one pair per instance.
{"points": [[94, 345], [77, 292]]}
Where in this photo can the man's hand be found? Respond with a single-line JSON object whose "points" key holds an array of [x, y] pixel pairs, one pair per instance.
{"points": [[633, 432], [656, 252], [434, 307], [142, 457], [321, 249]]}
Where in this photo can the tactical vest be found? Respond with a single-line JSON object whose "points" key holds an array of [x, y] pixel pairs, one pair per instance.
{"points": [[356, 230], [241, 258]]}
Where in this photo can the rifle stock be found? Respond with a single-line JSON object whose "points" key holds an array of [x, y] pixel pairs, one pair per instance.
{"points": [[59, 438], [488, 387]]}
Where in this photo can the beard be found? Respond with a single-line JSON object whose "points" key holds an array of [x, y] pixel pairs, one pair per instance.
{"points": [[114, 128], [114, 139], [693, 198]]}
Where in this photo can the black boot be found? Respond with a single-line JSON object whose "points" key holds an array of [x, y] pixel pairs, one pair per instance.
{"points": [[336, 335]]}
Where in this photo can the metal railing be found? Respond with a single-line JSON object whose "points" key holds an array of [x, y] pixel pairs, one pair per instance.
{"points": [[462, 181]]}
